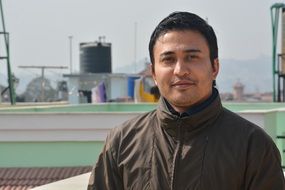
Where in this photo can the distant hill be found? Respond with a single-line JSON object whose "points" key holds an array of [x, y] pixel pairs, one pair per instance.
{"points": [[255, 74]]}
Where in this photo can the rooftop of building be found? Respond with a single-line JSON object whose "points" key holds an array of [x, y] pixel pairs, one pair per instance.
{"points": [[27, 178]]}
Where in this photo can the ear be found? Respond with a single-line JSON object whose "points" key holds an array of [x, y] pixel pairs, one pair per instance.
{"points": [[153, 74], [216, 68]]}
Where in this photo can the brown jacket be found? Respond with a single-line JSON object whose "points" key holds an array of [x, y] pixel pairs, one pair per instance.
{"points": [[214, 149]]}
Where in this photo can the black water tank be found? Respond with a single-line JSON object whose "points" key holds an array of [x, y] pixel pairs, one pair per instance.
{"points": [[95, 57]]}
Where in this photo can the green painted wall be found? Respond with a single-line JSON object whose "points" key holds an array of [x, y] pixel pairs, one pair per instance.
{"points": [[275, 126], [271, 124], [107, 107], [233, 106], [47, 154], [129, 107]]}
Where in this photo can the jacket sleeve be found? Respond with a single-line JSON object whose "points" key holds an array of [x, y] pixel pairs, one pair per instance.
{"points": [[105, 174], [263, 171]]}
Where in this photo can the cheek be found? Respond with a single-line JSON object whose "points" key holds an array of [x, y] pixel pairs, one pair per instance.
{"points": [[161, 73], [160, 80], [204, 72]]}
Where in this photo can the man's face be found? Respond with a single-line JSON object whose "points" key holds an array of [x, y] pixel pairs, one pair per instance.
{"points": [[182, 68]]}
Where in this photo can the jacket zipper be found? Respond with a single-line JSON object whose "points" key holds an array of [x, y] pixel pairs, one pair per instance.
{"points": [[176, 155], [203, 160]]}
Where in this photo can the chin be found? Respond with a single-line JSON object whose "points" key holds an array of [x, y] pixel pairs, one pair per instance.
{"points": [[181, 102]]}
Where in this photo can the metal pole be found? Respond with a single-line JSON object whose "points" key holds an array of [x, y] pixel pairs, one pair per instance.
{"points": [[283, 88], [135, 47], [278, 78], [10, 78], [70, 53], [274, 22], [43, 85], [278, 89]]}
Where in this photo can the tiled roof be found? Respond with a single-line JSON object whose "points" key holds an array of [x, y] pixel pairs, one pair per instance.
{"points": [[27, 178]]}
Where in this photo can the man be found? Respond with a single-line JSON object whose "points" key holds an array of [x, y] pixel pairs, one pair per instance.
{"points": [[190, 141]]}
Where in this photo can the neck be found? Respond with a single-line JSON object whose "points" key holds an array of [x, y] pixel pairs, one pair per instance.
{"points": [[198, 106]]}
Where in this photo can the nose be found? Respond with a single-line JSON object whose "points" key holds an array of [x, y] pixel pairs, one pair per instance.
{"points": [[181, 68]]}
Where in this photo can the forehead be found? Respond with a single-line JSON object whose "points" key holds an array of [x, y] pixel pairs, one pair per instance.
{"points": [[181, 40]]}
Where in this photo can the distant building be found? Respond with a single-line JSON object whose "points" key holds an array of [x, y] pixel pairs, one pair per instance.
{"points": [[238, 94], [266, 97], [117, 87], [81, 86], [96, 83]]}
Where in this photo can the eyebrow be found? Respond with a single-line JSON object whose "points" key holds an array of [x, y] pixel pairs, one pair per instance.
{"points": [[187, 51], [193, 50]]}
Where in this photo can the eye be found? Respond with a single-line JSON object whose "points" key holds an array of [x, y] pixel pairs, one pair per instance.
{"points": [[191, 57], [168, 60]]}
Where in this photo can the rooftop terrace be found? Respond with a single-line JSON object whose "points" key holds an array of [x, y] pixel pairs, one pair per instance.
{"points": [[31, 133]]}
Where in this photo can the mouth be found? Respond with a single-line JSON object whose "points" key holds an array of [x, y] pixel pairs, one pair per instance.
{"points": [[183, 84]]}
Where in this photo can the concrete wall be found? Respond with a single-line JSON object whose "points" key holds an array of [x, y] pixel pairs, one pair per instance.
{"points": [[73, 139]]}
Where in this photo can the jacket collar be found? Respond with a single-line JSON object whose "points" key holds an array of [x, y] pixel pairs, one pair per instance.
{"points": [[194, 109], [202, 117]]}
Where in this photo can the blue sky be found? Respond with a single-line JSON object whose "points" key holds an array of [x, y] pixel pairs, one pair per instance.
{"points": [[39, 29]]}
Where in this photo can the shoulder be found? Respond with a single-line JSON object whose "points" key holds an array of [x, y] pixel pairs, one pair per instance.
{"points": [[135, 124], [130, 130], [245, 129], [244, 137], [234, 121], [233, 118]]}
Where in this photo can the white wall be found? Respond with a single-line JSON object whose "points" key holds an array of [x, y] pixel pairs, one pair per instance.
{"points": [[58, 126], [72, 126]]}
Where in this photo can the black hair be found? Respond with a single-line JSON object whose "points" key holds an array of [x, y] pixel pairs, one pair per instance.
{"points": [[179, 21]]}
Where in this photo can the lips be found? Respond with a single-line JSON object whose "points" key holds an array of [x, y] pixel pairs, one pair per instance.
{"points": [[183, 83]]}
